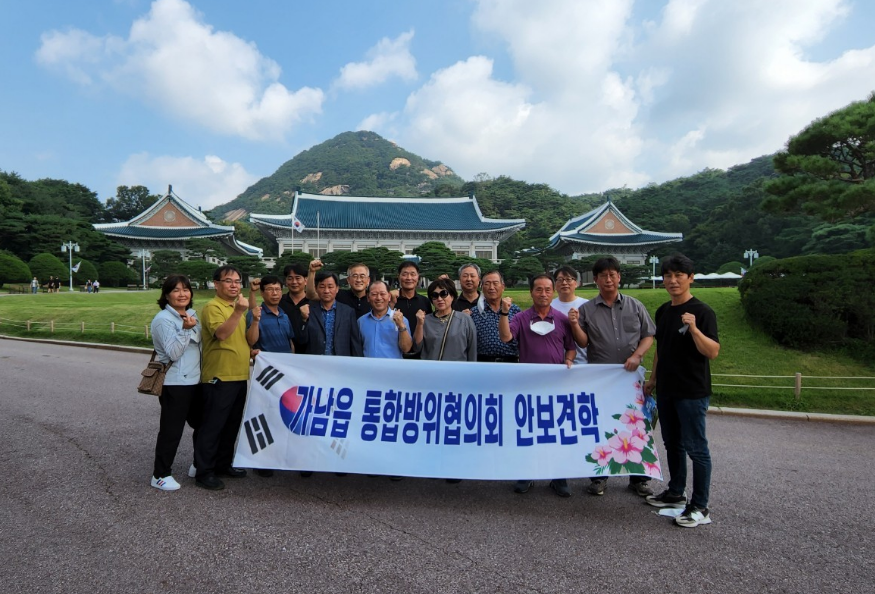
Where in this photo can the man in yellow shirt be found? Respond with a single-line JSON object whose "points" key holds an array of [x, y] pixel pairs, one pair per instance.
{"points": [[224, 373]]}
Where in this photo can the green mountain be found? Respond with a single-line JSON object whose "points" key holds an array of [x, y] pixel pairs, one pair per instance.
{"points": [[353, 163]]}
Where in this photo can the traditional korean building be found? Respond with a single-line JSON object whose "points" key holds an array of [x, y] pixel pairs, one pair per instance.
{"points": [[353, 223], [168, 224], [606, 230]]}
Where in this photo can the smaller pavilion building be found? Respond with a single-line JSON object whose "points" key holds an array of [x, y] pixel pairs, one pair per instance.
{"points": [[168, 224], [319, 224], [606, 230]]}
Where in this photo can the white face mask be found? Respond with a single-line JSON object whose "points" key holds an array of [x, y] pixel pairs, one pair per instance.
{"points": [[542, 327]]}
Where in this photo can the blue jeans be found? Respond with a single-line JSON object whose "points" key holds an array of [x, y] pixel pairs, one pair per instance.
{"points": [[683, 433]]}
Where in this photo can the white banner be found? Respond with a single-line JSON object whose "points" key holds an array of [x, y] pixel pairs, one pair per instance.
{"points": [[498, 421]]}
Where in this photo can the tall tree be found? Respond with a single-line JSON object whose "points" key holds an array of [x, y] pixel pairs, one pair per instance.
{"points": [[128, 203], [829, 167]]}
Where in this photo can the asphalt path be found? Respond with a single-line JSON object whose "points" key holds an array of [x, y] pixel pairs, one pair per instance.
{"points": [[790, 504]]}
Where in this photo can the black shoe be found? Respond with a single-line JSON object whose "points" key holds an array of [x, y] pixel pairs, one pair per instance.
{"points": [[454, 481], [232, 472], [265, 472], [560, 487], [210, 482], [523, 486], [395, 479], [306, 473]]}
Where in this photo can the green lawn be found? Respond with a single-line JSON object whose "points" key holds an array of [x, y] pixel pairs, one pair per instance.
{"points": [[744, 350]]}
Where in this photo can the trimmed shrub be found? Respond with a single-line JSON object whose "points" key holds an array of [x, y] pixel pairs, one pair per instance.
{"points": [[45, 265], [13, 269], [809, 302], [116, 274]]}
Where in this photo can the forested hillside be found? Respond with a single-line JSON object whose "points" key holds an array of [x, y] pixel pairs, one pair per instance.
{"points": [[354, 163]]}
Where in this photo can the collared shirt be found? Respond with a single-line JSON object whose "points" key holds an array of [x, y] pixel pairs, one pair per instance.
{"points": [[461, 304], [489, 343], [614, 332], [549, 348], [565, 307], [410, 306], [293, 310], [274, 330], [380, 335], [360, 305], [329, 315], [174, 343], [227, 360]]}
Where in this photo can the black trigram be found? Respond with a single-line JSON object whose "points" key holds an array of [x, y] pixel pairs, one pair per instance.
{"points": [[258, 433], [269, 376]]}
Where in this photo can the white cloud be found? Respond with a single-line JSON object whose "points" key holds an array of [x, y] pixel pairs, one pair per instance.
{"points": [[378, 121], [206, 182], [174, 60], [389, 58], [596, 99]]}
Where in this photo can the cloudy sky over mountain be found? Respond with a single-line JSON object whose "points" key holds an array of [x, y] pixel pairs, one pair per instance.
{"points": [[584, 95]]}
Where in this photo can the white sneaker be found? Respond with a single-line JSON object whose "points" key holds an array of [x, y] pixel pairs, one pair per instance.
{"points": [[693, 516], [192, 471], [168, 483]]}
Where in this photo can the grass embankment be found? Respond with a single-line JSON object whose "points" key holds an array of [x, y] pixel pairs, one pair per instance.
{"points": [[744, 350]]}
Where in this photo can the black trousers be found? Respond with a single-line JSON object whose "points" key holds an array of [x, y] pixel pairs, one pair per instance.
{"points": [[179, 404], [223, 404]]}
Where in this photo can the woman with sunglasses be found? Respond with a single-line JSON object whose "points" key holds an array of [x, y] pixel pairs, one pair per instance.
{"points": [[445, 335]]}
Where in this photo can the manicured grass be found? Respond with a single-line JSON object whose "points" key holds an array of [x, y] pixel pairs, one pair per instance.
{"points": [[744, 350]]}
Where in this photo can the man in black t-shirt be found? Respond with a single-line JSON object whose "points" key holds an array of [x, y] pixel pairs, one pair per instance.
{"points": [[295, 303], [407, 300], [686, 341]]}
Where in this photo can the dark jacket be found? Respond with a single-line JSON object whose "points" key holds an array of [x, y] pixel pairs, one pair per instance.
{"points": [[347, 337]]}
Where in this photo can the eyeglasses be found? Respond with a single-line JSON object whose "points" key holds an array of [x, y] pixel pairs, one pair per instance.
{"points": [[560, 280], [229, 281], [439, 295]]}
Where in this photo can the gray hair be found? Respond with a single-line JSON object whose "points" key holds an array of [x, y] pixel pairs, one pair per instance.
{"points": [[468, 265]]}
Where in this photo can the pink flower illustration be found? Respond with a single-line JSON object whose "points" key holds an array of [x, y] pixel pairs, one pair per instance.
{"points": [[636, 432], [652, 469], [602, 455], [627, 447], [633, 419]]}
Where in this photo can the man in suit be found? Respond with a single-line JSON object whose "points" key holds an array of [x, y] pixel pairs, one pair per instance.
{"points": [[331, 327]]}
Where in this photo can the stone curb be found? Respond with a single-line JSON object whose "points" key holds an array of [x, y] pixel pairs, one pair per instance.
{"points": [[713, 410]]}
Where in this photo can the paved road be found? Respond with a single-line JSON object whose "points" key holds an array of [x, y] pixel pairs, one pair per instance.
{"points": [[791, 507]]}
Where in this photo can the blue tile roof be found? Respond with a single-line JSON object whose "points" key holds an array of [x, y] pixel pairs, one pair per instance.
{"points": [[418, 214], [165, 232], [574, 231]]}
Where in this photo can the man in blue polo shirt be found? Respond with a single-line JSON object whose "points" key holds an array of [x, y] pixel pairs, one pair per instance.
{"points": [[385, 332]]}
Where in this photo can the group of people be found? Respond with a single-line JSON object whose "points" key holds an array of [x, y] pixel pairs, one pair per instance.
{"points": [[206, 384], [53, 285]]}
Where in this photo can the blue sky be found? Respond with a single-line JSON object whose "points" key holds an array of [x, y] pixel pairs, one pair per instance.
{"points": [[584, 95]]}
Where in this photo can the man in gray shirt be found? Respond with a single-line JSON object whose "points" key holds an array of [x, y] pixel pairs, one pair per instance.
{"points": [[618, 330]]}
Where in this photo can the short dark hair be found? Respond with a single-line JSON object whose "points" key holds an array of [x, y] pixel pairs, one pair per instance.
{"points": [[322, 276], [297, 268], [169, 284], [442, 283], [542, 275], [377, 282], [677, 263], [494, 271], [270, 279], [602, 264], [567, 271], [408, 264], [223, 270]]}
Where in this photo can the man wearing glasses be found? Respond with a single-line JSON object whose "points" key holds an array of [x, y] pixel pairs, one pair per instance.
{"points": [[358, 276], [618, 330], [566, 285], [544, 335], [224, 373]]}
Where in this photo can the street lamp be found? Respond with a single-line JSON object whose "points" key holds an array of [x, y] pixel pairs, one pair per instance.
{"points": [[752, 255], [144, 253], [69, 248], [654, 261]]}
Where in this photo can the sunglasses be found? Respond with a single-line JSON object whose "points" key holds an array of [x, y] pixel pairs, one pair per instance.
{"points": [[439, 295]]}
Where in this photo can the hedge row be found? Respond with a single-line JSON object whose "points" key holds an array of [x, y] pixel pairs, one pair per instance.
{"points": [[810, 302]]}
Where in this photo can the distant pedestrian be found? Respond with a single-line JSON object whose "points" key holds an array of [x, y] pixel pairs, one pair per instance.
{"points": [[96, 286], [34, 286]]}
